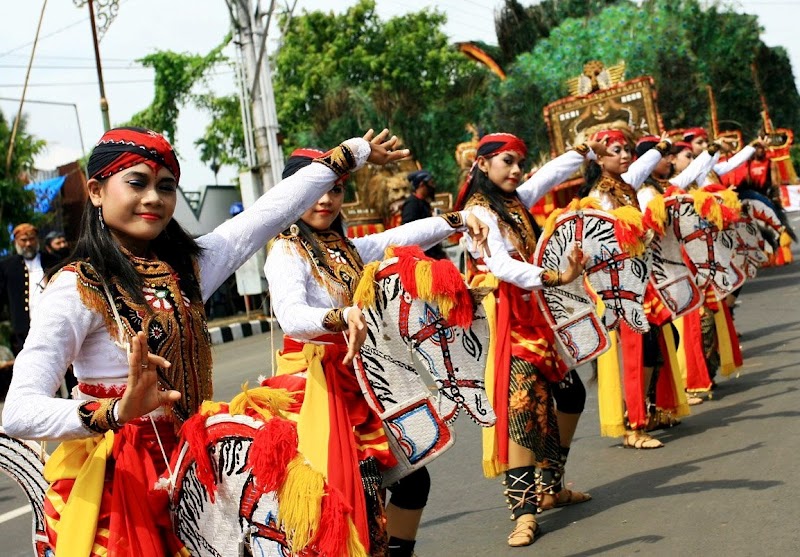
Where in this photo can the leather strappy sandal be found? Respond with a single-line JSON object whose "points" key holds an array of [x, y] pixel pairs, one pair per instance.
{"points": [[563, 498], [524, 532], [640, 440]]}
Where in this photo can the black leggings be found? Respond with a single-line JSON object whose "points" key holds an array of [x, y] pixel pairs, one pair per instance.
{"points": [[570, 394], [411, 492]]}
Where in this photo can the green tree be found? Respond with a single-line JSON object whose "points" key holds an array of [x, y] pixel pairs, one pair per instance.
{"points": [[16, 203], [539, 77], [683, 44], [223, 140], [520, 27], [339, 74]]}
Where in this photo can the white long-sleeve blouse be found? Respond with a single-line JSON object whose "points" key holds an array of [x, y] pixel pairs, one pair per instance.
{"points": [[301, 301], [501, 248]]}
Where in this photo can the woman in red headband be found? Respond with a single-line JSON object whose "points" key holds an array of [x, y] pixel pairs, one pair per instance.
{"points": [[530, 441], [127, 313], [615, 181], [699, 140], [313, 270]]}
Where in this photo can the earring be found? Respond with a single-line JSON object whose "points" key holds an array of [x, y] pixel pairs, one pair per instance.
{"points": [[100, 217]]}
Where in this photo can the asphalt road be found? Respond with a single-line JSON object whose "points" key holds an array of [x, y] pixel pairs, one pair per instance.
{"points": [[725, 484]]}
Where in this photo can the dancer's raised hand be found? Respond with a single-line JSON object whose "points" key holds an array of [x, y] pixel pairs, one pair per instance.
{"points": [[383, 148], [577, 263], [142, 394], [479, 232]]}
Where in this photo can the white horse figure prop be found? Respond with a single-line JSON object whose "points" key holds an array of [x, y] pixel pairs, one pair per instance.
{"points": [[758, 221], [425, 355], [618, 271], [720, 208], [697, 221], [23, 462], [674, 284]]}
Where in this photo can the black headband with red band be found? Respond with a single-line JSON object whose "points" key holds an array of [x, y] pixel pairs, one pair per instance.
{"points": [[122, 148]]}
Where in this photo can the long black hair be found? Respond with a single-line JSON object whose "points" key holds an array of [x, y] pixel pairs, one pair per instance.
{"points": [[97, 246], [304, 231], [591, 174], [479, 182]]}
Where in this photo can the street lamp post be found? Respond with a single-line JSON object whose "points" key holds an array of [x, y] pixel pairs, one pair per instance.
{"points": [[111, 7], [103, 100]]}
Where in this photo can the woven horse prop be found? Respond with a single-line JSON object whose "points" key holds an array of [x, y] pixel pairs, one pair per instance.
{"points": [[239, 485], [226, 499], [674, 284], [618, 272], [719, 209], [23, 462], [758, 220], [697, 221], [425, 355]]}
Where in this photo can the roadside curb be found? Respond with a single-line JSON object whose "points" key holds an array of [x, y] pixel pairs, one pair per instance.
{"points": [[236, 331]]}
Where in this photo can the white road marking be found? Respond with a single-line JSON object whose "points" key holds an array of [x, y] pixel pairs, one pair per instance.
{"points": [[11, 515]]}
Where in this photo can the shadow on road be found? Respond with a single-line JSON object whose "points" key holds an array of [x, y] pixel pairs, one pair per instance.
{"points": [[629, 488], [616, 545]]}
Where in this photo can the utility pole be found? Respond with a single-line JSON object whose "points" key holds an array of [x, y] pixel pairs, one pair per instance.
{"points": [[258, 102], [260, 123]]}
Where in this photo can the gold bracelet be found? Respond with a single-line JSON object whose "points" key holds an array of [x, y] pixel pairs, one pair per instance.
{"points": [[340, 160], [334, 321], [551, 277], [98, 415]]}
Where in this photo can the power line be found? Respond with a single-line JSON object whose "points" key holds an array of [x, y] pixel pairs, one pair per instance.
{"points": [[56, 57], [82, 83], [48, 35], [43, 67], [57, 31]]}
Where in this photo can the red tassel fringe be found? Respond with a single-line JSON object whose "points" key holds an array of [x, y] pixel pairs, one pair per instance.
{"points": [[274, 446], [195, 433], [333, 531]]}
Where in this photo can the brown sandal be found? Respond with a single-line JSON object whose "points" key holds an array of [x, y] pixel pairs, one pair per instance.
{"points": [[524, 532], [661, 420], [640, 440], [563, 498]]}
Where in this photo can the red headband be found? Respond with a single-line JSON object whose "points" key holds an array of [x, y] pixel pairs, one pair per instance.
{"points": [[691, 133], [495, 143], [489, 146], [613, 136], [648, 139], [679, 146], [122, 148], [307, 152]]}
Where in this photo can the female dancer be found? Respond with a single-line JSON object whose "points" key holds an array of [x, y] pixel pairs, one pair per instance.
{"points": [[698, 139], [614, 180], [127, 313], [313, 270], [526, 366]]}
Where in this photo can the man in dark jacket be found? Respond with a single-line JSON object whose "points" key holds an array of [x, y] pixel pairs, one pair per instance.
{"points": [[22, 281], [418, 204]]}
